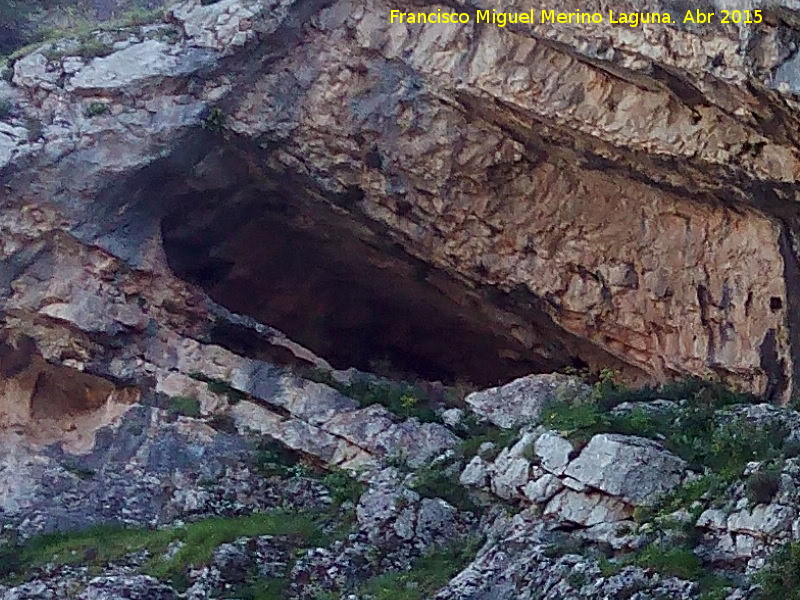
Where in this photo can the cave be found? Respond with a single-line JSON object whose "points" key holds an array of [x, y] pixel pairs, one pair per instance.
{"points": [[299, 269], [273, 247]]}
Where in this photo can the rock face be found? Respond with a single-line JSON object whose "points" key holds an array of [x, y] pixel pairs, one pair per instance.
{"points": [[207, 220], [610, 196]]}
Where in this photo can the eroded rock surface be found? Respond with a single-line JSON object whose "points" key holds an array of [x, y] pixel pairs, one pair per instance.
{"points": [[206, 219], [566, 194]]}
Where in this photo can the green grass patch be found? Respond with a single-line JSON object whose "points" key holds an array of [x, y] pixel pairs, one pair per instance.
{"points": [[678, 562], [427, 575], [402, 398], [184, 405], [97, 546], [201, 538], [780, 578]]}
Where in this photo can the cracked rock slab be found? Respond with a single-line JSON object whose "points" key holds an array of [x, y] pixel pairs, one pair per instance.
{"points": [[635, 469]]}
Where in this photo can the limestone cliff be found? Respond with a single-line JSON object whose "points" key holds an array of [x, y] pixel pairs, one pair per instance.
{"points": [[213, 224], [544, 196]]}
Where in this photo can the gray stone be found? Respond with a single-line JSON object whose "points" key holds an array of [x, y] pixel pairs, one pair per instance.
{"points": [[509, 476], [521, 401], [587, 509], [132, 587], [553, 451], [452, 417], [474, 474], [542, 489], [635, 469]]}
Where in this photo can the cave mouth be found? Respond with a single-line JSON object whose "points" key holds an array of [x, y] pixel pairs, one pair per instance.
{"points": [[347, 301], [272, 247]]}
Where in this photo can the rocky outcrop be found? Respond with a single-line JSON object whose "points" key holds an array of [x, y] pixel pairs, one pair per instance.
{"points": [[206, 220], [546, 196]]}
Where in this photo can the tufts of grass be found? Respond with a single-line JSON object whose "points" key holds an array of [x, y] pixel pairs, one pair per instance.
{"points": [[6, 108], [678, 562], [501, 438], [100, 545], [781, 576], [184, 405], [343, 487], [402, 398], [427, 574]]}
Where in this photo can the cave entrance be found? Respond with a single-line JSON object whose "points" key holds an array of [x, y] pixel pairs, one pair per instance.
{"points": [[350, 302], [269, 247]]}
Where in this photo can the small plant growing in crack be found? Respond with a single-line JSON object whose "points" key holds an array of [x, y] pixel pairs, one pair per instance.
{"points": [[95, 109], [6, 108], [184, 405], [215, 120]]}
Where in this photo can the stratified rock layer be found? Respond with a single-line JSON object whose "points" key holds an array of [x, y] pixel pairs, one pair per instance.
{"points": [[597, 195]]}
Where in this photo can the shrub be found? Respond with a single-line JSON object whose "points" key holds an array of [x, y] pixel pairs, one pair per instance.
{"points": [[223, 422], [435, 481], [705, 487], [763, 485], [678, 562], [501, 438], [695, 432], [215, 120], [184, 405], [781, 577], [91, 47], [585, 416], [6, 108], [564, 545], [343, 487], [95, 109], [733, 444]]}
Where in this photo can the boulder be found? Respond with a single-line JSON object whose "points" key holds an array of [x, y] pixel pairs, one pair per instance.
{"points": [[521, 401], [553, 452], [635, 469]]}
